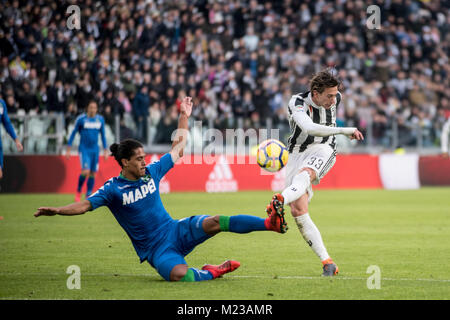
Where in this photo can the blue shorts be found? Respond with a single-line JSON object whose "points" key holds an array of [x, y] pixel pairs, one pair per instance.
{"points": [[182, 238], [89, 160], [1, 157]]}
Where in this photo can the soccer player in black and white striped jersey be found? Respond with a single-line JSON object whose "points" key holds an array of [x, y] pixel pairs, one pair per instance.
{"points": [[312, 153]]}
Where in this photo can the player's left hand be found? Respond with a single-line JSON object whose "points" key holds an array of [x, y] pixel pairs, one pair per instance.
{"points": [[186, 106], [357, 135], [19, 145], [106, 154]]}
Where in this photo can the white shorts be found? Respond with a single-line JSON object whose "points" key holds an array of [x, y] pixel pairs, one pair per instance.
{"points": [[319, 157]]}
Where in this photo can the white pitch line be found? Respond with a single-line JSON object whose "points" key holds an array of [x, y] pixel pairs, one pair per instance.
{"points": [[228, 276], [337, 278]]}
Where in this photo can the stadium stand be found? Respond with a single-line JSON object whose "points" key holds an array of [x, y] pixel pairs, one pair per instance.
{"points": [[240, 60]]}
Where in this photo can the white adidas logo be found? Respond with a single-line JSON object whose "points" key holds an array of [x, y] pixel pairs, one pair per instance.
{"points": [[221, 178], [164, 184]]}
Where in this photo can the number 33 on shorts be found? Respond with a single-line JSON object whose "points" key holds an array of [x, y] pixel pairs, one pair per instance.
{"points": [[316, 162]]}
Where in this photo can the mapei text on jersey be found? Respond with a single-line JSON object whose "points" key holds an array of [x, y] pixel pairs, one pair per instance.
{"points": [[138, 193]]}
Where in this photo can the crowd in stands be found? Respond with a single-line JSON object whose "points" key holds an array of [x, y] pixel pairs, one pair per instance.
{"points": [[238, 59]]}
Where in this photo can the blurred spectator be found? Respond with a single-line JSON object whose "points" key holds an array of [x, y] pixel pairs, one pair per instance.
{"points": [[71, 115], [379, 128], [11, 104], [57, 98], [115, 106], [27, 99], [166, 126], [141, 104]]}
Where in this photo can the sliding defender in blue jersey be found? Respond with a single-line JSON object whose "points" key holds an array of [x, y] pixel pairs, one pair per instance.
{"points": [[133, 198], [4, 119], [89, 125]]}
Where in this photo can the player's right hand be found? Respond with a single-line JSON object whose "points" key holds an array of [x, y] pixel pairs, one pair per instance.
{"points": [[357, 135], [68, 153], [186, 106], [46, 211]]}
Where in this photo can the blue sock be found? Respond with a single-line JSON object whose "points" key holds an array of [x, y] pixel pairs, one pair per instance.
{"points": [[81, 180], [194, 274], [90, 185], [242, 223]]}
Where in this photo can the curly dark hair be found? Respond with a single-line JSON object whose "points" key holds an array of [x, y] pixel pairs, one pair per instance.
{"points": [[124, 150], [324, 79]]}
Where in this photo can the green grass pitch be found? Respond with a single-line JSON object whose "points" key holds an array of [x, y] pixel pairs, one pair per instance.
{"points": [[405, 233]]}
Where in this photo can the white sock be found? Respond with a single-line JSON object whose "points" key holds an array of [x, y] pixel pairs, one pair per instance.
{"points": [[298, 187], [312, 235]]}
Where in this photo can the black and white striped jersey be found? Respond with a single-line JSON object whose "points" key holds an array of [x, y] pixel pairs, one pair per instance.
{"points": [[299, 140], [444, 136]]}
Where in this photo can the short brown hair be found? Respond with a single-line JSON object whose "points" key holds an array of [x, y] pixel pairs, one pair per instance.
{"points": [[322, 80]]}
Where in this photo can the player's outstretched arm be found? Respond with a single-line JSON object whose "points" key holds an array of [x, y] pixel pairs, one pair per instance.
{"points": [[318, 130], [72, 209], [181, 134]]}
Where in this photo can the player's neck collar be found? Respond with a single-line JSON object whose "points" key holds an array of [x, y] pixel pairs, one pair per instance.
{"points": [[311, 102], [123, 177]]}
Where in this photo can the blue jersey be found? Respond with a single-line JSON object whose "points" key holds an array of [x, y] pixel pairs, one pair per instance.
{"points": [[138, 208], [89, 129], [4, 119]]}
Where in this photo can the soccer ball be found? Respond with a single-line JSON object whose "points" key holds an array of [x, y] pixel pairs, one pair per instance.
{"points": [[272, 155]]}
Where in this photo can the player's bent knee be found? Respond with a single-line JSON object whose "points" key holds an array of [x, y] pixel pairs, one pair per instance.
{"points": [[211, 225], [295, 211], [300, 206], [178, 272]]}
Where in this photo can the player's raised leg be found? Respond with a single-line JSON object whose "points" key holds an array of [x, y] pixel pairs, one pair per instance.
{"points": [[311, 168], [245, 223], [299, 185]]}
